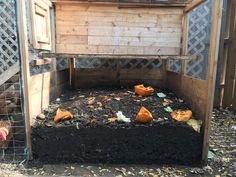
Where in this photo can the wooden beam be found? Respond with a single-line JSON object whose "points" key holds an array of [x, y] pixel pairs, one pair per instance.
{"points": [[193, 5], [212, 66], [117, 57], [126, 4], [44, 61], [23, 42]]}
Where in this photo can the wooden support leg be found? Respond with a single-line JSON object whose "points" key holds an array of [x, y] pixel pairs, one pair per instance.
{"points": [[72, 67]]}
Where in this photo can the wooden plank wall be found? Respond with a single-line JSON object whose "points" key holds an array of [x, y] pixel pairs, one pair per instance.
{"points": [[192, 90], [45, 87], [108, 29], [87, 78]]}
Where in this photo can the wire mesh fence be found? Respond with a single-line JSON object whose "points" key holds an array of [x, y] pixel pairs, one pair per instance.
{"points": [[12, 125], [11, 118]]}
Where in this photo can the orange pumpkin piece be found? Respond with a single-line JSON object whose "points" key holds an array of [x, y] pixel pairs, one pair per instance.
{"points": [[144, 116], [181, 115], [144, 91], [62, 115]]}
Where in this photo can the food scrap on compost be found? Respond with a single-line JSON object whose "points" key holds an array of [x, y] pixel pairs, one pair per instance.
{"points": [[62, 115], [114, 107], [144, 116], [143, 91], [181, 115]]}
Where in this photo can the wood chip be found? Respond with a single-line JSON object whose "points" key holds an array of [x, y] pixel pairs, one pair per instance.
{"points": [[112, 119], [91, 100]]}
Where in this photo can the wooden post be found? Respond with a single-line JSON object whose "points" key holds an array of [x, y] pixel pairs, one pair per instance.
{"points": [[212, 66], [23, 42], [185, 42], [220, 65], [72, 68], [230, 55]]}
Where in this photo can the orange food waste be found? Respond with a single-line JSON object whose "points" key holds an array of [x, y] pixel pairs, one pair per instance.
{"points": [[181, 115], [62, 115], [144, 91], [144, 115]]}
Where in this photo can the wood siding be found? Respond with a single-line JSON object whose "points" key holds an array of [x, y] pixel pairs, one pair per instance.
{"points": [[97, 29]]}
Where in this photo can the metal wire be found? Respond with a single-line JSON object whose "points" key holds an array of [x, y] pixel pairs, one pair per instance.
{"points": [[11, 100]]}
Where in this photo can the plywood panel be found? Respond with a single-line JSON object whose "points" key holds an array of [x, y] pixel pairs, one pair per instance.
{"points": [[96, 29]]}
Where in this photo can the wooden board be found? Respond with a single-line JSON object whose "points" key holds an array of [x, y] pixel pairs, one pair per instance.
{"points": [[192, 90], [86, 78], [45, 87], [230, 69], [94, 29], [131, 3]]}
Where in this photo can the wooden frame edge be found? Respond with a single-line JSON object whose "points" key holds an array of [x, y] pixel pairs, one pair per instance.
{"points": [[193, 5], [120, 4], [23, 42], [212, 67]]}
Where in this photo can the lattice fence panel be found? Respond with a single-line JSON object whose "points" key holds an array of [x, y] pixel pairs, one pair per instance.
{"points": [[110, 64], [8, 35], [62, 64], [174, 65], [95, 63], [199, 39], [141, 64]]}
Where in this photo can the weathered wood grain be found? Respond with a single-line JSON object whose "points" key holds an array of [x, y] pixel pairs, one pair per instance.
{"points": [[97, 29]]}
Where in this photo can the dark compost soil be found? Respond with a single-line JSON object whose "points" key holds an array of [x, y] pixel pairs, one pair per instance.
{"points": [[89, 138]]}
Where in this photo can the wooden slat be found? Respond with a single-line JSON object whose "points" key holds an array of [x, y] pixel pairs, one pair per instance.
{"points": [[38, 62], [134, 41], [127, 3], [72, 39], [212, 66], [122, 57], [193, 5], [142, 74], [113, 9]]}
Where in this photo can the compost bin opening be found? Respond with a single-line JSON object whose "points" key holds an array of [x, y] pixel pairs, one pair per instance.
{"points": [[94, 135]]}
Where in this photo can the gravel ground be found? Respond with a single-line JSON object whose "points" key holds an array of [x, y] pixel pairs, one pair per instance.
{"points": [[222, 160]]}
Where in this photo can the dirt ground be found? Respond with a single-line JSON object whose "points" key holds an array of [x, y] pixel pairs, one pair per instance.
{"points": [[222, 159]]}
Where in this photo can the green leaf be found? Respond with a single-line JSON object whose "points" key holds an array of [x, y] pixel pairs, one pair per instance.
{"points": [[161, 95], [210, 155], [168, 109]]}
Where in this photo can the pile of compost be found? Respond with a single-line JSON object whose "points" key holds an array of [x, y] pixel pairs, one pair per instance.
{"points": [[90, 137]]}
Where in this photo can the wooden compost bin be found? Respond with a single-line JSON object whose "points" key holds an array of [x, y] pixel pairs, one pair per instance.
{"points": [[133, 30]]}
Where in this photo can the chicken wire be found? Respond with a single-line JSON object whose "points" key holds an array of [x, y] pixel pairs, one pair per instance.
{"points": [[11, 100]]}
